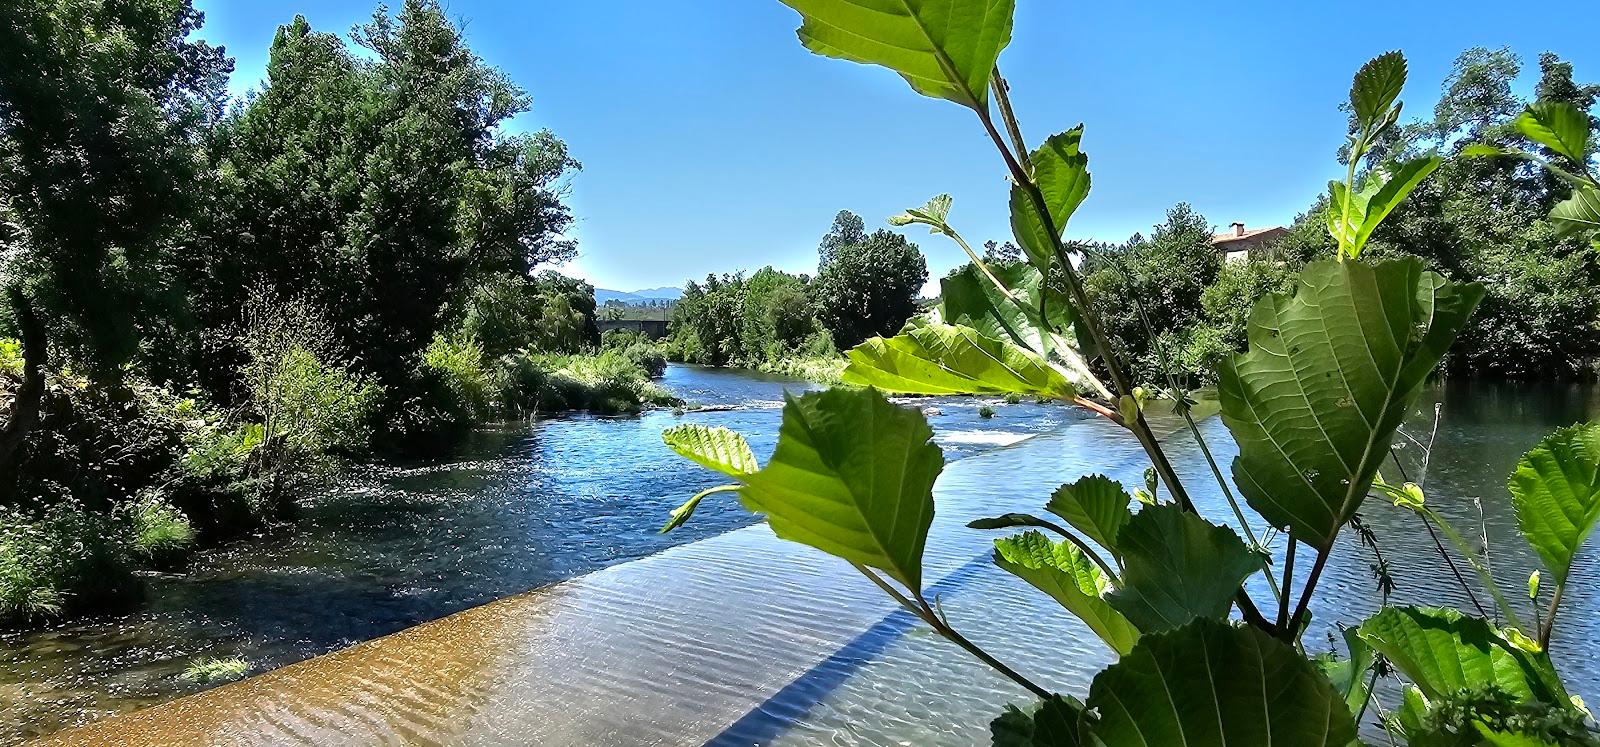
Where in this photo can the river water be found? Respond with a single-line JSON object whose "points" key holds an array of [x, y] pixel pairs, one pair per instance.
{"points": [[678, 647], [518, 507]]}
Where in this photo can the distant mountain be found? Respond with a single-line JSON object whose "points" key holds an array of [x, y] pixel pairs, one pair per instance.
{"points": [[665, 293]]}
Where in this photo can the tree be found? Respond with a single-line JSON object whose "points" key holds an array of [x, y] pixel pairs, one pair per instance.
{"points": [[102, 105], [848, 230], [998, 252], [866, 287]]}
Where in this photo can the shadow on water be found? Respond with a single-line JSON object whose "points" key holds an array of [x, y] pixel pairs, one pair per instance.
{"points": [[519, 506]]}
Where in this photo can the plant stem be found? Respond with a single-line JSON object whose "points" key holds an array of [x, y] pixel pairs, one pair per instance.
{"points": [[1288, 582], [985, 268], [1292, 632], [1550, 617], [1002, 97], [927, 614], [1460, 579], [1483, 573], [1372, 682]]}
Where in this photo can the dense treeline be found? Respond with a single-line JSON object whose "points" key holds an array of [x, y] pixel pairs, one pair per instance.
{"points": [[209, 302], [866, 285], [1475, 219]]}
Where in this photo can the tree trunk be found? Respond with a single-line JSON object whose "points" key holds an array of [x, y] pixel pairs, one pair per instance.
{"points": [[24, 414]]}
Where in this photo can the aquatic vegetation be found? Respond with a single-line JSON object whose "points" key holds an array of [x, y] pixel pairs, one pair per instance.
{"points": [[213, 670], [1315, 404], [985, 411]]}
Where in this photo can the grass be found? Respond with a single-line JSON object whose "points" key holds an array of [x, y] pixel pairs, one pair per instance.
{"points": [[820, 369], [985, 411], [159, 530], [213, 669]]}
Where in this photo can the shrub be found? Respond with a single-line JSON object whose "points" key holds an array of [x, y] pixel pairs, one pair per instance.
{"points": [[10, 357], [647, 357], [610, 382], [160, 532], [985, 412], [456, 363], [66, 558]]}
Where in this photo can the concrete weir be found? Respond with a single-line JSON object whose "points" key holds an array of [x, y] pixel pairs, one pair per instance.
{"points": [[693, 645]]}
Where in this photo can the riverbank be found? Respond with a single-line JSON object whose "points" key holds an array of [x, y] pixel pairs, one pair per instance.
{"points": [[517, 506]]}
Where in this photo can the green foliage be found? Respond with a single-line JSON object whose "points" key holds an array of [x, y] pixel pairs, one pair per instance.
{"points": [[968, 297], [1495, 718], [457, 361], [867, 286], [717, 448], [159, 530], [1062, 571], [1210, 683], [985, 412], [1179, 567], [1062, 173], [211, 670], [944, 359], [763, 322], [10, 358], [852, 476], [1331, 373], [1556, 493], [1095, 505], [944, 48], [1443, 652], [63, 559], [611, 382]]}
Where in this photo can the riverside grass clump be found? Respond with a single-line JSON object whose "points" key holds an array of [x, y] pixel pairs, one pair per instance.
{"points": [[1315, 404]]}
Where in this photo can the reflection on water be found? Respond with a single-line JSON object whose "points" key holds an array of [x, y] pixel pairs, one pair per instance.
{"points": [[519, 507]]}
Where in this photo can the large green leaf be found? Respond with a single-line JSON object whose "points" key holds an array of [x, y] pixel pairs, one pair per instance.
{"points": [[1376, 87], [1178, 567], [853, 477], [946, 49], [968, 298], [1063, 572], [1382, 190], [1580, 212], [1556, 492], [1330, 375], [1095, 505], [1443, 651], [715, 448], [935, 358], [1210, 684], [1061, 170], [1559, 126]]}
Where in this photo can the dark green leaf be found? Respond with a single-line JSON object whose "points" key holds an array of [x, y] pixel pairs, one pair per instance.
{"points": [[1008, 521], [715, 448], [1580, 212], [1443, 651], [946, 49], [1050, 723], [1063, 572], [1559, 126], [1178, 567], [1061, 170], [1348, 675], [1556, 492], [853, 477], [1095, 505], [1210, 684], [945, 359], [1330, 375], [1376, 87]]}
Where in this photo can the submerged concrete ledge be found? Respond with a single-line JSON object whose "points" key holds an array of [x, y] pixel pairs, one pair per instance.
{"points": [[670, 649]]}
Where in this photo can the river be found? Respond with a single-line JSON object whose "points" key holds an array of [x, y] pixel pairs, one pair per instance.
{"points": [[520, 506], [523, 506]]}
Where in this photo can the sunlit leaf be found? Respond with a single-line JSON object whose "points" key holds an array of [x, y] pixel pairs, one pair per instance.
{"points": [[946, 49], [716, 448], [1210, 684], [1556, 492], [1069, 577], [947, 359], [969, 299], [1557, 125], [1382, 190], [1095, 505], [1376, 87], [1054, 722], [1580, 212], [1061, 170], [1178, 567], [1493, 738], [1330, 374], [1443, 651], [934, 215], [853, 477]]}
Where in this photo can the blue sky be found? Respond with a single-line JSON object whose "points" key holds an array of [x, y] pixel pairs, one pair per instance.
{"points": [[712, 141]]}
